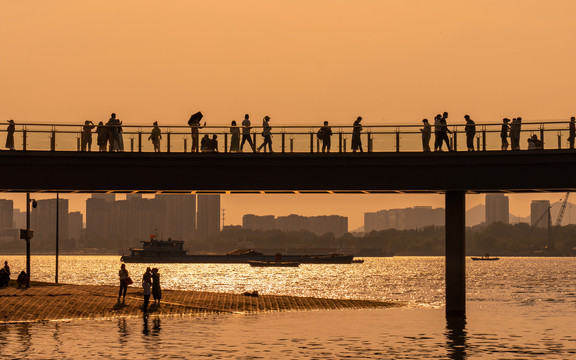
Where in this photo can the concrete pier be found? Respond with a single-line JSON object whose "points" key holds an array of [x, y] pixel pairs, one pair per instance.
{"points": [[455, 253]]}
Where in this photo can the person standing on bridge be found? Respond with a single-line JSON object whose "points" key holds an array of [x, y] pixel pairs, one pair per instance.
{"points": [[195, 130], [504, 133], [246, 126], [235, 139], [86, 141], [438, 133], [572, 132], [102, 137], [356, 132], [470, 130], [267, 134], [113, 127], [156, 136], [426, 134], [325, 134], [10, 135], [515, 128]]}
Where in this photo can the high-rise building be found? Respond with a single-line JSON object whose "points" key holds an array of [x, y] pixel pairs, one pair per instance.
{"points": [[403, 219], [539, 213], [319, 225], [179, 215], [43, 222], [255, 222], [208, 216], [497, 208], [75, 225], [6, 214]]}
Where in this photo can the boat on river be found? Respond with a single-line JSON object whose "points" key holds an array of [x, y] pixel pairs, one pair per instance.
{"points": [[274, 263], [485, 258], [172, 252]]}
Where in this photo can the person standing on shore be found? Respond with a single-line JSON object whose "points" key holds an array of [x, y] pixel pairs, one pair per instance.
{"points": [[156, 289], [146, 284], [124, 280], [10, 135], [572, 132], [426, 133], [246, 126], [470, 130]]}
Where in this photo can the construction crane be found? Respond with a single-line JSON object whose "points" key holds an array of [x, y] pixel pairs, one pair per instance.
{"points": [[552, 231]]}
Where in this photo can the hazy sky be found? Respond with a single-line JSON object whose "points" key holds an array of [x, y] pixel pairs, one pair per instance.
{"points": [[300, 62]]}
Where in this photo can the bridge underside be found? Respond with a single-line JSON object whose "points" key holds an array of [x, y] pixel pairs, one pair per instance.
{"points": [[336, 173]]}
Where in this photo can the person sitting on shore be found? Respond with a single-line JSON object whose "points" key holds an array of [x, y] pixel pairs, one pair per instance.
{"points": [[23, 279], [4, 278]]}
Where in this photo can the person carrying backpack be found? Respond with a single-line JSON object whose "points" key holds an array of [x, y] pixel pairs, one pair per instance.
{"points": [[325, 134]]}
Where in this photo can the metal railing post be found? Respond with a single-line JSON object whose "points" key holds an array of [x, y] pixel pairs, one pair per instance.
{"points": [[397, 140], [369, 133], [340, 141], [559, 141], [542, 136], [478, 143], [455, 140], [24, 133], [53, 141], [344, 148], [283, 142], [484, 140], [185, 145], [168, 142], [132, 144], [311, 142], [225, 142], [254, 141], [291, 144], [139, 141]]}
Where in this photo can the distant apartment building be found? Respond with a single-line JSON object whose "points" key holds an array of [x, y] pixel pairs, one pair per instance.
{"points": [[6, 214], [75, 225], [208, 216], [403, 219], [120, 224], [539, 213], [43, 222], [319, 225], [497, 208]]}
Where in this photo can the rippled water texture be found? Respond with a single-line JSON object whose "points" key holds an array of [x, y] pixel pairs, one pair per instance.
{"points": [[518, 308]]}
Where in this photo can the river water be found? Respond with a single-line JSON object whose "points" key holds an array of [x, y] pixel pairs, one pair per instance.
{"points": [[518, 308]]}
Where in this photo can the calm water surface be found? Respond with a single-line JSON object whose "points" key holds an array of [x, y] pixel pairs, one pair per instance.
{"points": [[518, 308]]}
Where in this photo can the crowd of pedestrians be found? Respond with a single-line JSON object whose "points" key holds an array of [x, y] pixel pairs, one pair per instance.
{"points": [[110, 135]]}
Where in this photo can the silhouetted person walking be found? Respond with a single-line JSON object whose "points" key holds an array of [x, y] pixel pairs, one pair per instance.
{"points": [[426, 134], [156, 289], [124, 279], [86, 141], [155, 136], [10, 134], [445, 131], [515, 128], [267, 134], [356, 132], [102, 138], [572, 132], [325, 134], [504, 133], [246, 126], [235, 138], [470, 130]]}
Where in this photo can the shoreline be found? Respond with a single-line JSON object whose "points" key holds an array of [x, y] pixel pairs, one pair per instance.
{"points": [[44, 302]]}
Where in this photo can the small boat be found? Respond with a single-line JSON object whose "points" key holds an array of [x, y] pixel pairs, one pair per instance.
{"points": [[485, 258], [274, 263], [357, 261]]}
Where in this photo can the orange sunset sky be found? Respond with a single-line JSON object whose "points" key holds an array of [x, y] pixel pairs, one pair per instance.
{"points": [[301, 62]]}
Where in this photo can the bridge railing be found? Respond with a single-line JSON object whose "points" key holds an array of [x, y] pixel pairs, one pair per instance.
{"points": [[288, 139]]}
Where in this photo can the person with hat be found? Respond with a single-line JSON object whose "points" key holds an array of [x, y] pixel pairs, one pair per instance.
{"points": [[10, 135], [267, 134]]}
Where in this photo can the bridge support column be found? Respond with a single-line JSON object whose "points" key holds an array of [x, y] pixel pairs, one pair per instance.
{"points": [[455, 253]]}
